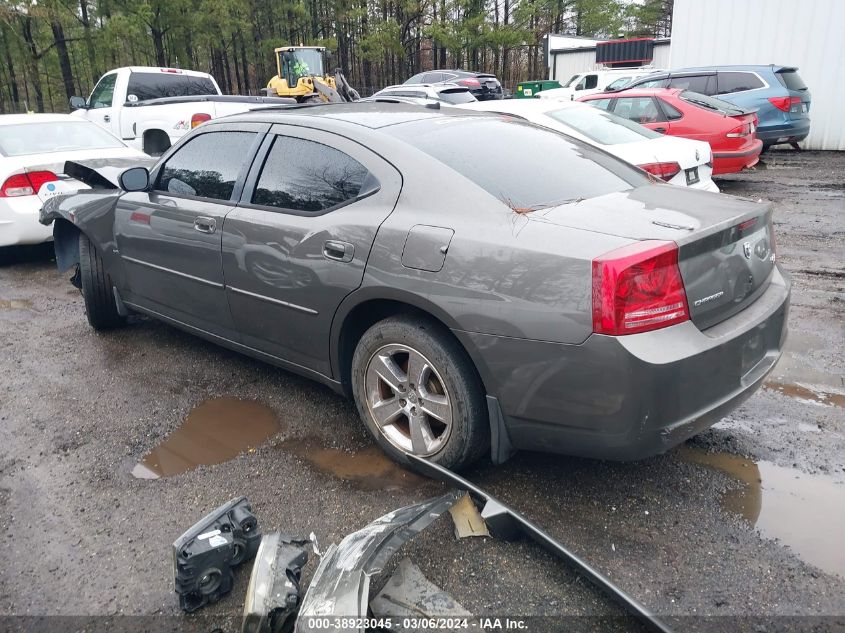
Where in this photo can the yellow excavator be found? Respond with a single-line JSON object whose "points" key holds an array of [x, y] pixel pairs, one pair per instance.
{"points": [[300, 74]]}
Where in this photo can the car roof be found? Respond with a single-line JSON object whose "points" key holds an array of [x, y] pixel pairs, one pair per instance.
{"points": [[736, 67], [18, 119], [371, 114], [440, 86]]}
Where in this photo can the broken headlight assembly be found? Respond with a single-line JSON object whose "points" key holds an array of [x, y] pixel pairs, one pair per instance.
{"points": [[203, 557]]}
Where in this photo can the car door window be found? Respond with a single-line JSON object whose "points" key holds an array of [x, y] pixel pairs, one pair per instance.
{"points": [[590, 81], [702, 84], [207, 166], [653, 83], [103, 93], [320, 177], [729, 82], [638, 109]]}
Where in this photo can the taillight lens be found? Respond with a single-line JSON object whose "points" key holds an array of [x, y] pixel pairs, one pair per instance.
{"points": [[199, 118], [25, 184], [741, 130], [638, 288], [666, 171], [784, 103], [470, 82]]}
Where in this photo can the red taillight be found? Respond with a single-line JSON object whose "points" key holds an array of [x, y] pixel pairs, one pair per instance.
{"points": [[199, 118], [666, 171], [174, 71], [741, 130], [25, 184], [784, 103], [638, 288], [470, 82]]}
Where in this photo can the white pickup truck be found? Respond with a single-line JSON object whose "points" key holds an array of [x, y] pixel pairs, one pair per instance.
{"points": [[151, 108]]}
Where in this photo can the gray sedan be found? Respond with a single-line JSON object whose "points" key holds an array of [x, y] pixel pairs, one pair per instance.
{"points": [[476, 283]]}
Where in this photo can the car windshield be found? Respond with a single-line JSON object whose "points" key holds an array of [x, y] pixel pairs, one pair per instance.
{"points": [[525, 166], [456, 95], [54, 136], [601, 126], [616, 84], [297, 63], [709, 103], [571, 81]]}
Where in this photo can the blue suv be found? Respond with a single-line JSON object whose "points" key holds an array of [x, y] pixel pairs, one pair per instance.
{"points": [[781, 98]]}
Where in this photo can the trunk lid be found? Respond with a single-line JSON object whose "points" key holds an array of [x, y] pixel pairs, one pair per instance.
{"points": [[725, 244]]}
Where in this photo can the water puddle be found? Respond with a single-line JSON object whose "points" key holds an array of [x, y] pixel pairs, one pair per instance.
{"points": [[805, 512], [15, 304], [807, 394], [214, 432], [367, 469]]}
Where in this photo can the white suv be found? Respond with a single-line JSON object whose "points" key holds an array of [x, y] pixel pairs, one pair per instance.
{"points": [[592, 81], [451, 94]]}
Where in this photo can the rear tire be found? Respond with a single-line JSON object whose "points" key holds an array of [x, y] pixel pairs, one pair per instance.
{"points": [[100, 306], [418, 392]]}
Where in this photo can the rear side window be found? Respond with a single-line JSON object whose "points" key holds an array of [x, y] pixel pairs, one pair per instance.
{"points": [[703, 84], [638, 109], [306, 176], [737, 82], [672, 113], [207, 166], [791, 80], [522, 165], [147, 86]]}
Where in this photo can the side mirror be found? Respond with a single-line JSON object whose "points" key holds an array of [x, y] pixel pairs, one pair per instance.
{"points": [[135, 179], [78, 103]]}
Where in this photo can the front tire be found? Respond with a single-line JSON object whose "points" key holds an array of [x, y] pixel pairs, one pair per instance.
{"points": [[418, 392], [100, 306]]}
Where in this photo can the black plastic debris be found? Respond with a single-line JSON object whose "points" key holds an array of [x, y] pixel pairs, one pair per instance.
{"points": [[272, 599], [204, 556]]}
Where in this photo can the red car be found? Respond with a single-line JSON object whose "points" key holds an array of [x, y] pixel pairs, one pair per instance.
{"points": [[728, 128]]}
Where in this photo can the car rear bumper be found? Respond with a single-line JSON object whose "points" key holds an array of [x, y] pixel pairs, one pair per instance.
{"points": [[791, 132], [732, 162], [19, 222], [633, 396]]}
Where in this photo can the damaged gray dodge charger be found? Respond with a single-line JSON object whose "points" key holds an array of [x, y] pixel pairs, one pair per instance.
{"points": [[474, 282]]}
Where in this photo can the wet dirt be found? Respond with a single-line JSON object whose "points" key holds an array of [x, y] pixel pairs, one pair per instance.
{"points": [[808, 394], [805, 512], [366, 469], [214, 432]]}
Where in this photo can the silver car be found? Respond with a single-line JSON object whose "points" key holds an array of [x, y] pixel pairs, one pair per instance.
{"points": [[476, 283], [450, 94]]}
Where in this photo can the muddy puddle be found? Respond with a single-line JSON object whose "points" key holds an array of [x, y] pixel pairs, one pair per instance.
{"points": [[805, 512], [807, 393], [367, 469], [214, 432]]}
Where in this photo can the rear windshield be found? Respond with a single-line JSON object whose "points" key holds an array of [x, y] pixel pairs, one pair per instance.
{"points": [[601, 126], [54, 136], [456, 95], [523, 165], [709, 103], [146, 86], [791, 80]]}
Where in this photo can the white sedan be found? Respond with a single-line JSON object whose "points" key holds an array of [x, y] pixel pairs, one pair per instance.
{"points": [[678, 161], [33, 151]]}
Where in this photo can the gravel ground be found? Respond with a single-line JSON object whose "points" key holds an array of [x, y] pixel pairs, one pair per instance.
{"points": [[83, 537]]}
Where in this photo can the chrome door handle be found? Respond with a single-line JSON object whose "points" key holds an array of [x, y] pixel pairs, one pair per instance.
{"points": [[339, 251], [106, 118], [205, 225]]}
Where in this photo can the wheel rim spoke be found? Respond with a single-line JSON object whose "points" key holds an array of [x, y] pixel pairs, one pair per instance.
{"points": [[422, 439], [387, 369], [437, 407], [387, 412], [417, 368]]}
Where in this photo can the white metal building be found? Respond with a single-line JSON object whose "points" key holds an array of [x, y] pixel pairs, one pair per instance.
{"points": [[809, 35]]}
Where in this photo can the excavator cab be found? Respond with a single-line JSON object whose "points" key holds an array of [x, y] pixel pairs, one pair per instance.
{"points": [[298, 69]]}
